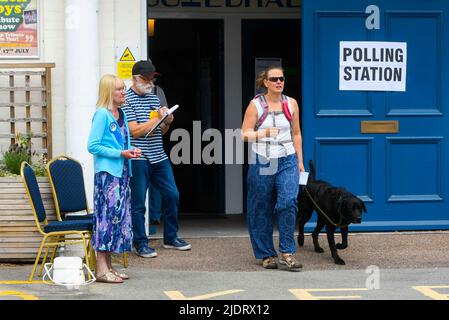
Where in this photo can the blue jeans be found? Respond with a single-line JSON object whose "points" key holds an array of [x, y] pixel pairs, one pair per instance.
{"points": [[155, 204], [160, 175], [271, 195], [155, 208]]}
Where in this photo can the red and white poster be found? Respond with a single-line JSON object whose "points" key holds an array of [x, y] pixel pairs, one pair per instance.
{"points": [[19, 29]]}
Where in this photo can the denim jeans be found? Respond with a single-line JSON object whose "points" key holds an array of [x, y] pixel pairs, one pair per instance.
{"points": [[271, 195], [155, 204], [159, 175], [155, 208]]}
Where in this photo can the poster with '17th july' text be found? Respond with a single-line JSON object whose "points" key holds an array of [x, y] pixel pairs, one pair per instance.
{"points": [[19, 29]]}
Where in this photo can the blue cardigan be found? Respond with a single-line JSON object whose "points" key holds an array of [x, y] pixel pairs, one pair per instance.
{"points": [[106, 143]]}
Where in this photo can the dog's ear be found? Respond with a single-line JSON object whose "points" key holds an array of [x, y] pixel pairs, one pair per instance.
{"points": [[310, 163], [363, 206], [312, 175]]}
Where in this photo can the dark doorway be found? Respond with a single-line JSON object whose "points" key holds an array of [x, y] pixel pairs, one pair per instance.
{"points": [[189, 55], [272, 38]]}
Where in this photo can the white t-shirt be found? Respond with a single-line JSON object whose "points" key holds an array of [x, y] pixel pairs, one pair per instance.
{"points": [[282, 144]]}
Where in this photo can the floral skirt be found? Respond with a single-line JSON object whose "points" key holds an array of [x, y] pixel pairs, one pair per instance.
{"points": [[112, 230]]}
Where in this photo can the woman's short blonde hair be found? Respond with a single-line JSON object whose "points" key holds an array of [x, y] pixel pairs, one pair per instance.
{"points": [[106, 89]]}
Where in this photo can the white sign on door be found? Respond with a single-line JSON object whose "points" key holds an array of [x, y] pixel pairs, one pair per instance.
{"points": [[373, 66]]}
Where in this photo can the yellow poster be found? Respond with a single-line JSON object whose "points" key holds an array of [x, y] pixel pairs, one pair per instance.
{"points": [[124, 69], [125, 64], [19, 29]]}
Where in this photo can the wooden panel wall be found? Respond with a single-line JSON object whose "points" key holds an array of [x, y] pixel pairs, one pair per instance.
{"points": [[25, 89], [19, 237]]}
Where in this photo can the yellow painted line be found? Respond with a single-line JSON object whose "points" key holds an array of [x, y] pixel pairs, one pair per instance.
{"points": [[21, 282], [306, 294], [177, 295], [22, 295], [431, 293]]}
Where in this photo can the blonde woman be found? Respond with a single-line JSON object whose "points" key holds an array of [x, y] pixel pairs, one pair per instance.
{"points": [[110, 145], [272, 122]]}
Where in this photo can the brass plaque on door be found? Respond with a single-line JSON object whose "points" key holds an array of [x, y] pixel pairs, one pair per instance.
{"points": [[379, 126]]}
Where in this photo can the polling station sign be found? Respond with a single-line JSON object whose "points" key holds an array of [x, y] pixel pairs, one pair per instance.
{"points": [[19, 29], [373, 65]]}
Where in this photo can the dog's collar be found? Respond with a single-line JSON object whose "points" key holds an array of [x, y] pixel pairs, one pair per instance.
{"points": [[340, 203]]}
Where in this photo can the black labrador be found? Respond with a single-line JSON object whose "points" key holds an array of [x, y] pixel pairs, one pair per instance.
{"points": [[336, 208]]}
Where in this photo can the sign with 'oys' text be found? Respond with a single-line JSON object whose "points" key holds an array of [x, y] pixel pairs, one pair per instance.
{"points": [[373, 65], [19, 20]]}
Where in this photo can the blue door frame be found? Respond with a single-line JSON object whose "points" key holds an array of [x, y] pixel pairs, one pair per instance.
{"points": [[403, 176]]}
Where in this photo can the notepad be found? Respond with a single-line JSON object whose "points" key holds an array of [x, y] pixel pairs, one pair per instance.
{"points": [[303, 176], [169, 112]]}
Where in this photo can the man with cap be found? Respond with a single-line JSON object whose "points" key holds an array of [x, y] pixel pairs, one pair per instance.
{"points": [[153, 167]]}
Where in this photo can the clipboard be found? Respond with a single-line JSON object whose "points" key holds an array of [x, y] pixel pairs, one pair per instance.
{"points": [[169, 112]]}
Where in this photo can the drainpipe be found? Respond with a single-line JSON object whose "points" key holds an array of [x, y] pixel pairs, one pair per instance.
{"points": [[82, 64]]}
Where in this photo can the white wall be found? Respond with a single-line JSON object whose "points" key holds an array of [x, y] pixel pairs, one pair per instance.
{"points": [[122, 24], [53, 50], [82, 56], [106, 21]]}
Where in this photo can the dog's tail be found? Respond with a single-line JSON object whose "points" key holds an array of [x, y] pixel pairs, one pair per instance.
{"points": [[312, 171]]}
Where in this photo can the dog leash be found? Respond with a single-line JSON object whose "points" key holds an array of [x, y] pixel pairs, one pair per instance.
{"points": [[338, 225]]}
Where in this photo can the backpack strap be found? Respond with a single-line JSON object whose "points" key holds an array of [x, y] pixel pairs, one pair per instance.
{"points": [[263, 102], [264, 105], [286, 109]]}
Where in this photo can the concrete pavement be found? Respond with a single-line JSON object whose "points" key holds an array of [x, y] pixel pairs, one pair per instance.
{"points": [[222, 266], [156, 284]]}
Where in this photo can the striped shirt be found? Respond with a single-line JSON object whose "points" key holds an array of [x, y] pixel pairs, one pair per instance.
{"points": [[137, 108]]}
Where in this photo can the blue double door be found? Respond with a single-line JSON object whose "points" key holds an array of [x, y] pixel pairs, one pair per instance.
{"points": [[401, 171]]}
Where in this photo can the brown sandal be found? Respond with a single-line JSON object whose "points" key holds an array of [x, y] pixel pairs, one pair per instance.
{"points": [[124, 276], [109, 277]]}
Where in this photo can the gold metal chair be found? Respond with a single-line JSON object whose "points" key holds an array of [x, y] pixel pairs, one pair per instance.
{"points": [[54, 232], [68, 189]]}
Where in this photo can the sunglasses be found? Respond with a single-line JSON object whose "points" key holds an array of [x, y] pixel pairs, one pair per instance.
{"points": [[276, 79]]}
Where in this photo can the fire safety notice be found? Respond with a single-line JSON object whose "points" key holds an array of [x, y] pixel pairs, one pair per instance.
{"points": [[373, 66]]}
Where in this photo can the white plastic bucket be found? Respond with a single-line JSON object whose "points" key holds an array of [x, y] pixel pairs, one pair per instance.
{"points": [[67, 271]]}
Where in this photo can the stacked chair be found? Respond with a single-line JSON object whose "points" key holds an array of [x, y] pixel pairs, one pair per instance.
{"points": [[55, 233], [68, 189]]}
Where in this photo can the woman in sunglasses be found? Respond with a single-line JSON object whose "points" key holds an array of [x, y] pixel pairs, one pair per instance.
{"points": [[271, 123]]}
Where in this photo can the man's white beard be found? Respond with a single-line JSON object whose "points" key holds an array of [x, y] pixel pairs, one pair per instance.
{"points": [[146, 89]]}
